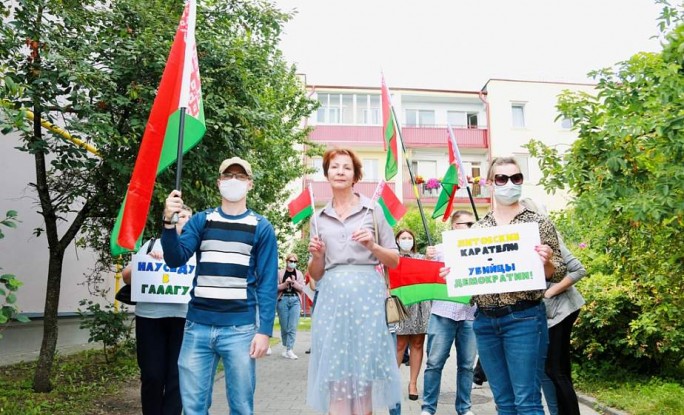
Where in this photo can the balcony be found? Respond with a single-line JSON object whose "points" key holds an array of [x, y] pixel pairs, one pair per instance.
{"points": [[425, 137], [429, 196], [323, 193]]}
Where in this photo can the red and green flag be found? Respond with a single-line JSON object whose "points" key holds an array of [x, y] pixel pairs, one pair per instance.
{"points": [[179, 88], [454, 178], [302, 206], [415, 280], [389, 132], [392, 208]]}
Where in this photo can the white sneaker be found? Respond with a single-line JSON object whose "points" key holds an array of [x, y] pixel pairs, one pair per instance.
{"points": [[269, 352], [285, 355], [469, 413], [425, 413], [291, 355]]}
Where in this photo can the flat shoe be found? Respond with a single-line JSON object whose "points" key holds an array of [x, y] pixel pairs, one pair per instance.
{"points": [[413, 397]]}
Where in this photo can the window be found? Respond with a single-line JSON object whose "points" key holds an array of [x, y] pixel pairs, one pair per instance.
{"points": [[472, 120], [332, 109], [566, 123], [368, 109], [456, 119], [518, 112], [370, 170], [420, 118]]}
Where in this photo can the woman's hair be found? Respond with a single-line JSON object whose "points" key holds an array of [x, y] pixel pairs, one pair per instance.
{"points": [[334, 152], [500, 161], [534, 207], [396, 238], [291, 255], [457, 215], [187, 209]]}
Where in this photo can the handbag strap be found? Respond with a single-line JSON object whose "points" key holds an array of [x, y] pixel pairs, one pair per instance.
{"points": [[384, 268]]}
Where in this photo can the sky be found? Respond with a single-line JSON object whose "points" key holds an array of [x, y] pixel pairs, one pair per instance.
{"points": [[460, 44]]}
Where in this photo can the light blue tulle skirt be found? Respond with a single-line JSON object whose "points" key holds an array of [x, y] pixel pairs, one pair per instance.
{"points": [[353, 366]]}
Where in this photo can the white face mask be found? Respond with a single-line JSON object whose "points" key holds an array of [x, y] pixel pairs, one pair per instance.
{"points": [[233, 190], [405, 244], [292, 265], [508, 193]]}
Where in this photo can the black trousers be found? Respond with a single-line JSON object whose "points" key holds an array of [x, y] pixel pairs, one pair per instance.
{"points": [[158, 346], [558, 366]]}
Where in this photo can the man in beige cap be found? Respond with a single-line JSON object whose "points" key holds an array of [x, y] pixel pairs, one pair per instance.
{"points": [[232, 306]]}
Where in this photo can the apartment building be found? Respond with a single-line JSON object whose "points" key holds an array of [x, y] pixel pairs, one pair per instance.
{"points": [[494, 121], [352, 117]]}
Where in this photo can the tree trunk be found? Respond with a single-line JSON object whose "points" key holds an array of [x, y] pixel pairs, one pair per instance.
{"points": [[41, 378]]}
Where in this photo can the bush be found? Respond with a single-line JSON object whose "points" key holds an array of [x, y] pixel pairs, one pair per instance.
{"points": [[106, 325]]}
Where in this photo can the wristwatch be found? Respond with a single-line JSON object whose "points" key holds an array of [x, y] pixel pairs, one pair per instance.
{"points": [[166, 222]]}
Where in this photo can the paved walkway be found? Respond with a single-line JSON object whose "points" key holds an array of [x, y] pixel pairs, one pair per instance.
{"points": [[281, 387]]}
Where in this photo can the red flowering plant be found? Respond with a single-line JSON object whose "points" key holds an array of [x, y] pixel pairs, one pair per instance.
{"points": [[420, 180]]}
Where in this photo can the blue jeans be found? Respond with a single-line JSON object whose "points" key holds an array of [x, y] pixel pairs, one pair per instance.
{"points": [[288, 309], [442, 333], [202, 348], [513, 352]]}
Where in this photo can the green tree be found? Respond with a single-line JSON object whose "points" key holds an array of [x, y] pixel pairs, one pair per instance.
{"points": [[9, 284], [93, 67], [626, 172]]}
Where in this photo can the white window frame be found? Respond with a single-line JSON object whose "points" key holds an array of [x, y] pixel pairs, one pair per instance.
{"points": [[518, 122]]}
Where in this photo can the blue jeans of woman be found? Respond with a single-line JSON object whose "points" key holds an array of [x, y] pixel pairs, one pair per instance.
{"points": [[512, 351], [442, 333], [288, 309], [203, 346]]}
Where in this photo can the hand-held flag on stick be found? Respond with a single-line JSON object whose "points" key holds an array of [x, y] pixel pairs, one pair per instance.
{"points": [[454, 179], [302, 206], [391, 206], [179, 88], [389, 133]]}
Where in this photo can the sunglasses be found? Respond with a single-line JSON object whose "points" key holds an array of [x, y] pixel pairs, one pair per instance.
{"points": [[502, 179], [240, 176], [468, 224], [292, 260]]}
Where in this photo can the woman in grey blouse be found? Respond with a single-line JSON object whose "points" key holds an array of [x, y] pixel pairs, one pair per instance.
{"points": [[352, 368], [563, 303]]}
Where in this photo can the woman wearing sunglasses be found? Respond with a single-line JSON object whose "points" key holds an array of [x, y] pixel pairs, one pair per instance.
{"points": [[290, 289], [511, 331]]}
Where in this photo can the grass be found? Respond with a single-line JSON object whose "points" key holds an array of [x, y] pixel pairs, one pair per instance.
{"points": [[79, 382], [304, 324], [634, 394]]}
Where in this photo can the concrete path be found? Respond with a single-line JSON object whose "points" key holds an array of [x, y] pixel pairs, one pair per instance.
{"points": [[281, 387]]}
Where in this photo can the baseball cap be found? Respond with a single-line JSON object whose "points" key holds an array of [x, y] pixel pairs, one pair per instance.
{"points": [[236, 160]]}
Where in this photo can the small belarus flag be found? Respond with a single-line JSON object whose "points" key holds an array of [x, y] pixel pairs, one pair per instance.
{"points": [[179, 88], [391, 206], [302, 206], [415, 280], [389, 133]]}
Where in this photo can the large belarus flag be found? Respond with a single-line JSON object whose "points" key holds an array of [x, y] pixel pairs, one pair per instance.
{"points": [[389, 134], [454, 179], [416, 280], [179, 88]]}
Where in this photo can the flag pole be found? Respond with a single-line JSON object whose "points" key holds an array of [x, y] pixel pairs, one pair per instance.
{"points": [[413, 180], [179, 157], [313, 207], [472, 202]]}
